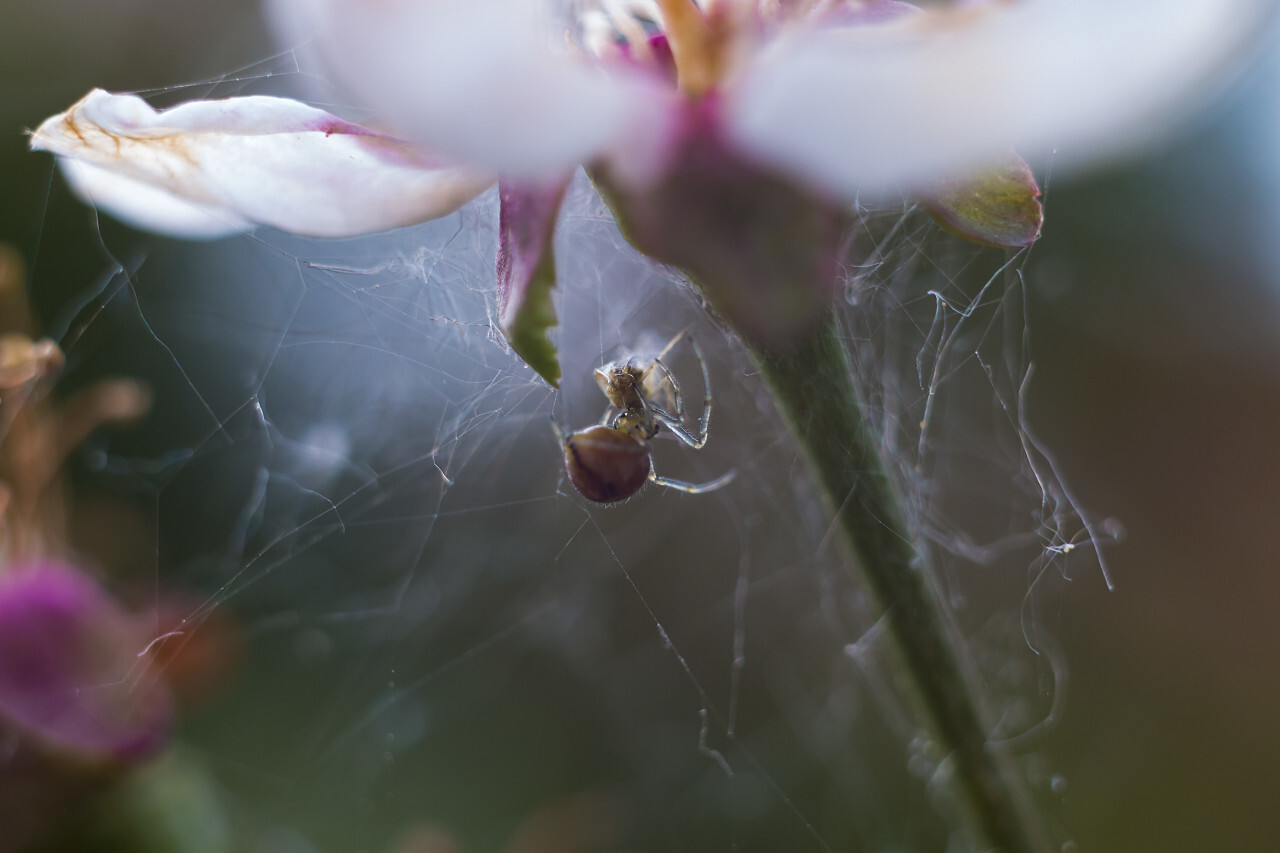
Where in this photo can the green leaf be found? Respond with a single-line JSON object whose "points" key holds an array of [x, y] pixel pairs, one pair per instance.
{"points": [[527, 272], [999, 206]]}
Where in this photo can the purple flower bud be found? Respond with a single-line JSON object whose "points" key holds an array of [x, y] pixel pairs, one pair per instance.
{"points": [[74, 676], [80, 700]]}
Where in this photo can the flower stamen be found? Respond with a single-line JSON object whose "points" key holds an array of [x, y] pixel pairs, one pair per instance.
{"points": [[692, 45], [625, 15]]}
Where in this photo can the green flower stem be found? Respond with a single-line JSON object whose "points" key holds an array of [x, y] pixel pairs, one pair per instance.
{"points": [[814, 388]]}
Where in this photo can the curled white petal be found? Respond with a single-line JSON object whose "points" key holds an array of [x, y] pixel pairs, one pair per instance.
{"points": [[866, 107], [209, 168], [490, 82]]}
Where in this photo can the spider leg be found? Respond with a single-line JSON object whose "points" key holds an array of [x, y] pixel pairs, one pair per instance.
{"points": [[693, 488], [676, 424], [706, 392], [676, 396], [666, 372], [678, 429], [671, 343]]}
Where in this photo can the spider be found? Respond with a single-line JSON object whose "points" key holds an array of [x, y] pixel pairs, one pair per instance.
{"points": [[611, 461]]}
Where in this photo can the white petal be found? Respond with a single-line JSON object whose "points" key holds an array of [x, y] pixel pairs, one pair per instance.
{"points": [[490, 82], [148, 207], [208, 168], [905, 103]]}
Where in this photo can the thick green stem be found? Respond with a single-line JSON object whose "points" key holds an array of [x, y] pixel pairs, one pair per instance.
{"points": [[765, 254], [814, 388]]}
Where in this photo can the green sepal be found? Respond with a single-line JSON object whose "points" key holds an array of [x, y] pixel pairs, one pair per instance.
{"points": [[527, 272], [999, 206]]}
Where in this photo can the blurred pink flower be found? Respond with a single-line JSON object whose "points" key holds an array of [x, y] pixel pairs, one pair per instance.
{"points": [[74, 675], [80, 702]]}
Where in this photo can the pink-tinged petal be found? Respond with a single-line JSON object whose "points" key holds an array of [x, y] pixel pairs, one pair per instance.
{"points": [[855, 108], [998, 207], [209, 168], [527, 271], [73, 673], [148, 207], [490, 82]]}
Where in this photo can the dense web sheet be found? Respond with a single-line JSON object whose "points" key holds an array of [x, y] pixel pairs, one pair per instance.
{"points": [[443, 641]]}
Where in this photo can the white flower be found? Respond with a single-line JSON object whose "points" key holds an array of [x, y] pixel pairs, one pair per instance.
{"points": [[728, 136], [848, 96], [844, 93]]}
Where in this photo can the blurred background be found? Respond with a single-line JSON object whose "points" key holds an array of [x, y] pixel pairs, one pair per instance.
{"points": [[418, 640]]}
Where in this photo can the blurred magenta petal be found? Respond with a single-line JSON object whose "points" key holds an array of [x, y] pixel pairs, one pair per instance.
{"points": [[527, 271], [72, 670], [490, 82], [853, 108], [209, 168]]}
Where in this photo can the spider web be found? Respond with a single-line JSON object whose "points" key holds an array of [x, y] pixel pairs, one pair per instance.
{"points": [[443, 644]]}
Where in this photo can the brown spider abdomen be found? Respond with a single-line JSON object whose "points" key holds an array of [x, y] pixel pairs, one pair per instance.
{"points": [[606, 465]]}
